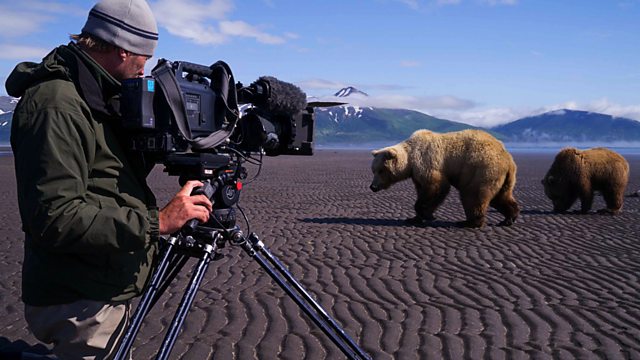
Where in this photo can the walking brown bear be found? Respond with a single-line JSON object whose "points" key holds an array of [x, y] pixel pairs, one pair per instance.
{"points": [[577, 174], [472, 161]]}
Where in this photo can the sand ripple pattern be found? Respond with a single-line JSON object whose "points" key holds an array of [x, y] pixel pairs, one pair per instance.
{"points": [[549, 287]]}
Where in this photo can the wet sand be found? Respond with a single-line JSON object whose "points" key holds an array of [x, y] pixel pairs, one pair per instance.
{"points": [[550, 286]]}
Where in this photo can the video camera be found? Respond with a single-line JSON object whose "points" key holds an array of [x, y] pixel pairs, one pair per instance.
{"points": [[185, 107], [189, 118]]}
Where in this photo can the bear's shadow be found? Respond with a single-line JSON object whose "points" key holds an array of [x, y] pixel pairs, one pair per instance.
{"points": [[379, 222], [536, 212]]}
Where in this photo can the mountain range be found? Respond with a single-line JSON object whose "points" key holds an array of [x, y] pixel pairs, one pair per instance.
{"points": [[570, 126], [350, 125]]}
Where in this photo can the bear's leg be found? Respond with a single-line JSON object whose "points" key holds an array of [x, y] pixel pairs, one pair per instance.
{"points": [[586, 201], [429, 198], [507, 206], [475, 204], [614, 200]]}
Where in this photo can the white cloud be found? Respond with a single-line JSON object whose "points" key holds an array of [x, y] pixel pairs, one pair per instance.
{"points": [[241, 28], [22, 52], [18, 22], [419, 103], [482, 117], [489, 117], [27, 17], [455, 108], [207, 23], [607, 107]]}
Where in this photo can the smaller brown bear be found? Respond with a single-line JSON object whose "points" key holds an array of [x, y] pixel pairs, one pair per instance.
{"points": [[577, 174], [472, 161]]}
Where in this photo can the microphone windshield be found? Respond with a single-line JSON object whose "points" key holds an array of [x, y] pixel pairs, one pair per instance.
{"points": [[285, 98]]}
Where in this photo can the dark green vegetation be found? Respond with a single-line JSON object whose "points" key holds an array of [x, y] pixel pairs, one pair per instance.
{"points": [[570, 125], [353, 125]]}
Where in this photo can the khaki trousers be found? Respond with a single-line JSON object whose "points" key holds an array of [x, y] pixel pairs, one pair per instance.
{"points": [[84, 329]]}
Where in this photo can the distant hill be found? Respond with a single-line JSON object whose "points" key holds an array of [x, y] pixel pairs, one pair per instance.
{"points": [[348, 124], [7, 104], [5, 127], [570, 126], [355, 125]]}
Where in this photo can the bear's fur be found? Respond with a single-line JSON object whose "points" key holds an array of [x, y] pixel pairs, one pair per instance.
{"points": [[577, 174], [472, 161]]}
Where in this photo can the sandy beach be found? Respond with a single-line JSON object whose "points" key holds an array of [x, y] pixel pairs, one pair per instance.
{"points": [[549, 287]]}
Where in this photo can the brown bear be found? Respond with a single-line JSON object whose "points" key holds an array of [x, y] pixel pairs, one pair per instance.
{"points": [[577, 174], [472, 161]]}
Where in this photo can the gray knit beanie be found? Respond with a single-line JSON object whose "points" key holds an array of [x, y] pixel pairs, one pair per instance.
{"points": [[127, 24]]}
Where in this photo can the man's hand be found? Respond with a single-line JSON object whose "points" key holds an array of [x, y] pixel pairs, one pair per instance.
{"points": [[184, 207]]}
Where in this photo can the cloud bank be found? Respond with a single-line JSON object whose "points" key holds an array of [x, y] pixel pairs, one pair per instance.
{"points": [[208, 23], [455, 108]]}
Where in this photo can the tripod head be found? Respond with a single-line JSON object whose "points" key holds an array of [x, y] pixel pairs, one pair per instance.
{"points": [[221, 175]]}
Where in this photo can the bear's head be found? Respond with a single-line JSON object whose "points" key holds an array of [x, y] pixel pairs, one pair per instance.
{"points": [[389, 166], [559, 192], [560, 182]]}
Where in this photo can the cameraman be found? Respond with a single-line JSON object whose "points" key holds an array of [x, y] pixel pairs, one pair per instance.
{"points": [[89, 217]]}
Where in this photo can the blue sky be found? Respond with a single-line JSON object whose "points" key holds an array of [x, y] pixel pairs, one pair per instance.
{"points": [[481, 62]]}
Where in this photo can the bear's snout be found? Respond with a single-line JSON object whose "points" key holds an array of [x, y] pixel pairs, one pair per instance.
{"points": [[374, 188]]}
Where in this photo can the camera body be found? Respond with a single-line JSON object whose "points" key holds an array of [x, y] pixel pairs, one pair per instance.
{"points": [[182, 104]]}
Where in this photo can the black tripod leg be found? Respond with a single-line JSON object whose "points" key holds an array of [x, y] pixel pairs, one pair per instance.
{"points": [[177, 263], [256, 249], [145, 304], [185, 304]]}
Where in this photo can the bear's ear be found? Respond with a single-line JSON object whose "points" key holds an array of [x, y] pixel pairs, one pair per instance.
{"points": [[386, 154], [390, 154]]}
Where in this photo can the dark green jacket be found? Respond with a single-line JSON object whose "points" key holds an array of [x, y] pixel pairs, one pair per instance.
{"points": [[89, 217]]}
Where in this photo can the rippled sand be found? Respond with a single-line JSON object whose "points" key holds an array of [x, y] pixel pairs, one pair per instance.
{"points": [[550, 286]]}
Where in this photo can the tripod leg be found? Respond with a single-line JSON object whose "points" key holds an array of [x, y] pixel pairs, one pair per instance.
{"points": [[256, 249], [146, 301], [185, 304], [176, 265]]}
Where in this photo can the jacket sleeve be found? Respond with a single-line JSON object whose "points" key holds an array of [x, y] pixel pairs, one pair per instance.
{"points": [[53, 149]]}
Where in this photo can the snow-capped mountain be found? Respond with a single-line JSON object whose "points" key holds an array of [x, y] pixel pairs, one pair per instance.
{"points": [[355, 124], [350, 91]]}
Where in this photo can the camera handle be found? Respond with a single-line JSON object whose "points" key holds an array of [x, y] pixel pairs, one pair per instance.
{"points": [[221, 75], [204, 243]]}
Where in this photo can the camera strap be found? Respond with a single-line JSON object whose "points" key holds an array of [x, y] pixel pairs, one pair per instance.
{"points": [[221, 78]]}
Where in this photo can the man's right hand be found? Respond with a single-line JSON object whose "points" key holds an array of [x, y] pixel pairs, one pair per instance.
{"points": [[184, 207]]}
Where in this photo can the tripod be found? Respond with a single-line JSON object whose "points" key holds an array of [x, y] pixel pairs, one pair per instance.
{"points": [[204, 243]]}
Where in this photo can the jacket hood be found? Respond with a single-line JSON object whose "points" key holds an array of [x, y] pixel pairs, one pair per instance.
{"points": [[27, 74], [95, 85]]}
